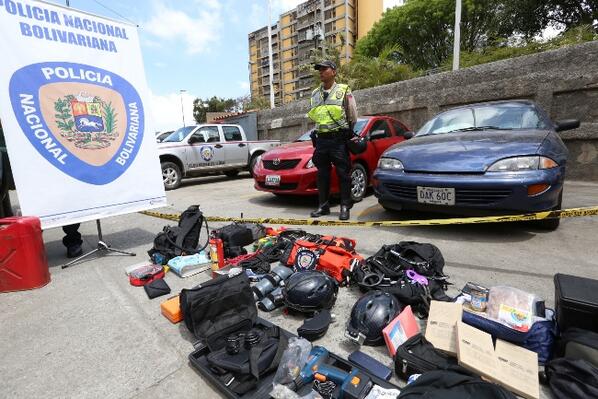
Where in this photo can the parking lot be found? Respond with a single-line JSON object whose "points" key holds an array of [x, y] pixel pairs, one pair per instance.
{"points": [[90, 334]]}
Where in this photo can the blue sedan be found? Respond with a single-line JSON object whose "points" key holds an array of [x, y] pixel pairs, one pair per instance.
{"points": [[497, 157]]}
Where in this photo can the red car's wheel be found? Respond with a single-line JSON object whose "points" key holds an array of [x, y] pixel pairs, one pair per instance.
{"points": [[359, 182]]}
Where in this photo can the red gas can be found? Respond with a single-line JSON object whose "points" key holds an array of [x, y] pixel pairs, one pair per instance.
{"points": [[23, 262]]}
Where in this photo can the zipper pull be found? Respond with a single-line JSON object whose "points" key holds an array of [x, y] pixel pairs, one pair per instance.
{"points": [[404, 366]]}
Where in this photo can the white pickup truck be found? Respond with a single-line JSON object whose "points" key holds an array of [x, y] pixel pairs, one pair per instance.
{"points": [[208, 149]]}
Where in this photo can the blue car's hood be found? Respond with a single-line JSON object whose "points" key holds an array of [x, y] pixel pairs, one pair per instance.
{"points": [[465, 152]]}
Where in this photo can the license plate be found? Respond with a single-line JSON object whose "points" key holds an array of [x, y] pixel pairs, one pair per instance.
{"points": [[272, 180], [436, 195]]}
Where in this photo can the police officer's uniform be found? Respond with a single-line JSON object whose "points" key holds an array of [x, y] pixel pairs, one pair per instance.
{"points": [[328, 111]]}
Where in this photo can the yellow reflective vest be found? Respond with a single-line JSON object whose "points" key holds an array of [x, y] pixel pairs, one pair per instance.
{"points": [[329, 115]]}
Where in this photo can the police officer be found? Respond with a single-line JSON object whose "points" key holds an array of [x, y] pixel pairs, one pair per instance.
{"points": [[334, 112]]}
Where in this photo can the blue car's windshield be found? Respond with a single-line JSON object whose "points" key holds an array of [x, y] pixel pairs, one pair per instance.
{"points": [[356, 129], [485, 117], [178, 135]]}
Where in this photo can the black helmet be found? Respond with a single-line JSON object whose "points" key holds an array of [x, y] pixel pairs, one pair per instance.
{"points": [[370, 314], [357, 145], [310, 291]]}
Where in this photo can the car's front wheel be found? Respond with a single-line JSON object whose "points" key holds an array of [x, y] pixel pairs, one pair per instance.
{"points": [[171, 175], [359, 182], [551, 224]]}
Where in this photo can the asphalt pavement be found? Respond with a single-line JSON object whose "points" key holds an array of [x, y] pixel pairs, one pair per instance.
{"points": [[90, 334]]}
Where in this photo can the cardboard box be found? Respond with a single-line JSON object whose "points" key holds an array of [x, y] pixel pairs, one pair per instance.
{"points": [[511, 366], [441, 329]]}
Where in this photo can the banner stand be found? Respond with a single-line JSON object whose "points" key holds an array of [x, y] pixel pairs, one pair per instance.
{"points": [[102, 249]]}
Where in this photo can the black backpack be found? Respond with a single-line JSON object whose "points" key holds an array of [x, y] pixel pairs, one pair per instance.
{"points": [[386, 271], [182, 239], [572, 378], [455, 383]]}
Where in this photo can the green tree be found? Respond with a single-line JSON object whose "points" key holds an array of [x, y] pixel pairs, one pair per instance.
{"points": [[215, 104], [422, 30]]}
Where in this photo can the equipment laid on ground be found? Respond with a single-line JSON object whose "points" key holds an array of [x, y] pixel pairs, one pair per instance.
{"points": [[576, 343], [366, 362], [353, 384], [455, 383], [270, 281], [316, 326], [370, 314], [572, 378], [417, 356], [171, 309], [182, 239], [156, 288], [146, 274], [230, 374], [576, 302], [308, 292], [216, 307], [23, 262]]}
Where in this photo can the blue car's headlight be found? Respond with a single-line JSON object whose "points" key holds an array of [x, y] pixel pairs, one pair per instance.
{"points": [[517, 164], [390, 164]]}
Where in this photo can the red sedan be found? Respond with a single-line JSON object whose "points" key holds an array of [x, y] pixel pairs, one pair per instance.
{"points": [[289, 169]]}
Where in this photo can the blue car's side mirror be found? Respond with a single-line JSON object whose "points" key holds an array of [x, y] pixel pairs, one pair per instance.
{"points": [[566, 124]]}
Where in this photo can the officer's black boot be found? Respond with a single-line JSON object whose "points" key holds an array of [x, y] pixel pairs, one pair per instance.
{"points": [[345, 214], [321, 211]]}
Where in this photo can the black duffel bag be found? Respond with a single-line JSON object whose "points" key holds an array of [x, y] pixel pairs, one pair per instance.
{"points": [[455, 383], [235, 235], [217, 308], [417, 355]]}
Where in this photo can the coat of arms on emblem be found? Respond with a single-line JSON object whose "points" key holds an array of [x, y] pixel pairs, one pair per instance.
{"points": [[87, 121]]}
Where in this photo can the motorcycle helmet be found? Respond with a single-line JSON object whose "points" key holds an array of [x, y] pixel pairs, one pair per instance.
{"points": [[357, 145], [370, 314], [310, 291]]}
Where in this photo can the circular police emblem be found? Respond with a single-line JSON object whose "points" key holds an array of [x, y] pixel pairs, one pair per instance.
{"points": [[306, 259], [86, 121], [339, 95], [206, 153]]}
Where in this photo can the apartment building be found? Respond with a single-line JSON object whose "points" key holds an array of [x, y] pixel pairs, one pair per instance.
{"points": [[301, 30]]}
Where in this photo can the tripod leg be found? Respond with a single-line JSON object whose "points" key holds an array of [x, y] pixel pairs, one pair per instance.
{"points": [[80, 258], [120, 251]]}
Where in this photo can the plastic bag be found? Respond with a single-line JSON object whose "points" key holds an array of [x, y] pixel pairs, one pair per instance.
{"points": [[282, 392], [293, 359], [512, 307]]}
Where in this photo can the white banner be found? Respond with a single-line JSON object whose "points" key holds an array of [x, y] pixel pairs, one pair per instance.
{"points": [[74, 108]]}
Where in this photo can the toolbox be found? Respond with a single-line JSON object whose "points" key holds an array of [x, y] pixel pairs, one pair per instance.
{"points": [[576, 302], [198, 359]]}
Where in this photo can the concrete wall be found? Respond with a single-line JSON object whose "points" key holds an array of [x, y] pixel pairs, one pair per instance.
{"points": [[564, 82]]}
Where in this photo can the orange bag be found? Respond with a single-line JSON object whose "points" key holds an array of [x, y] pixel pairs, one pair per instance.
{"points": [[338, 263]]}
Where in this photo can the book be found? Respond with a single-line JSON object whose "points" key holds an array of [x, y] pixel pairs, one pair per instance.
{"points": [[399, 330]]}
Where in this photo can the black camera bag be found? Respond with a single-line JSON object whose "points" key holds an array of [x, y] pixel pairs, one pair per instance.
{"points": [[217, 308], [235, 235]]}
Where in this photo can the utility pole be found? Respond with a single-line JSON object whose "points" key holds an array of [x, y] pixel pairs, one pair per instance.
{"points": [[457, 43], [182, 109], [270, 55]]}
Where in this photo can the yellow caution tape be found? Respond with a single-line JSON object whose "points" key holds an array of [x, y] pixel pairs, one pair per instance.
{"points": [[565, 213]]}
